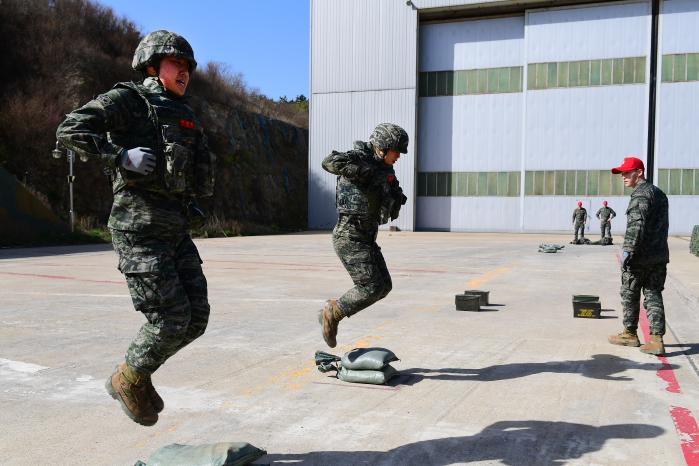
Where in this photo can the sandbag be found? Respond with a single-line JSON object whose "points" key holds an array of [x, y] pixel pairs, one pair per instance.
{"points": [[376, 377], [372, 359], [694, 241], [214, 454], [550, 248]]}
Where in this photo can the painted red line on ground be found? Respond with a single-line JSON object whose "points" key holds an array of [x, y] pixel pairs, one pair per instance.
{"points": [[666, 372], [685, 423], [60, 277], [668, 375], [688, 430]]}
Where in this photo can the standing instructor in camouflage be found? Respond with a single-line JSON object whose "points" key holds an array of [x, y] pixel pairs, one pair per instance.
{"points": [[367, 195], [645, 258], [605, 215], [149, 136], [579, 220]]}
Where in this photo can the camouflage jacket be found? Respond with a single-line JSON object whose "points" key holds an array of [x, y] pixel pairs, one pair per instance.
{"points": [[121, 119], [606, 214], [647, 225], [580, 215], [366, 187]]}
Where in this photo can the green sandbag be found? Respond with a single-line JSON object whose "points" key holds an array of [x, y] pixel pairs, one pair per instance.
{"points": [[694, 241], [367, 376], [214, 454], [550, 248], [374, 359]]}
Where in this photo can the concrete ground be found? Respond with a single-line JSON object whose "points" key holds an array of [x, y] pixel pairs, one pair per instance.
{"points": [[521, 383]]}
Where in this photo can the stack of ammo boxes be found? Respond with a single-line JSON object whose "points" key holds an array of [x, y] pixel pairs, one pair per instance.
{"points": [[471, 300]]}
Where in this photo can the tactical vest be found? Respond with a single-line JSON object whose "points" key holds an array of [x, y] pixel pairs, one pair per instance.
{"points": [[181, 168], [358, 199]]}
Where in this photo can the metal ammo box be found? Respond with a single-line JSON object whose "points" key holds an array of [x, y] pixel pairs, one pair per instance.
{"points": [[482, 294], [587, 306], [467, 302]]}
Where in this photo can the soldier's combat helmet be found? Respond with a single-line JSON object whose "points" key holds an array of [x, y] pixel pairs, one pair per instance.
{"points": [[162, 43], [389, 136]]}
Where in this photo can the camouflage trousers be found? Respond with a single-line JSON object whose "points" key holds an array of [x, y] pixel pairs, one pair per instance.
{"points": [[606, 229], [651, 280], [167, 285], [579, 227], [354, 241]]}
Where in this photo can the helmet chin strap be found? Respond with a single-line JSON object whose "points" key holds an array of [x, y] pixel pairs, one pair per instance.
{"points": [[379, 154]]}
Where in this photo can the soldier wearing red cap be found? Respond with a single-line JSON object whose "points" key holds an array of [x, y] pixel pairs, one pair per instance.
{"points": [[605, 215], [579, 220], [645, 258]]}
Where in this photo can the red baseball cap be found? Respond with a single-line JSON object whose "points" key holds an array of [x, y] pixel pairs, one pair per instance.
{"points": [[630, 163]]}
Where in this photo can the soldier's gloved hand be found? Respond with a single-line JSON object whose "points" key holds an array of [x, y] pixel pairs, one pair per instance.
{"points": [[626, 258], [139, 159]]}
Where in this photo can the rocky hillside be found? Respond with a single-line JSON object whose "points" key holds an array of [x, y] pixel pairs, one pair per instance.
{"points": [[58, 54]]}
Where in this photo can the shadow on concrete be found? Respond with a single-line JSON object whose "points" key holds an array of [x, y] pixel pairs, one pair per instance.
{"points": [[509, 442], [689, 349], [600, 366], [21, 253]]}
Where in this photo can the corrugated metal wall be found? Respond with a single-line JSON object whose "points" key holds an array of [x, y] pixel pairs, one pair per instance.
{"points": [[677, 135], [519, 117], [464, 131], [588, 126], [363, 72]]}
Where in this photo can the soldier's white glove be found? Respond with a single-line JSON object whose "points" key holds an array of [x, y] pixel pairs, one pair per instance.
{"points": [[139, 159]]}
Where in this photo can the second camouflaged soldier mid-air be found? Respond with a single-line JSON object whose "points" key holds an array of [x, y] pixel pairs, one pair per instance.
{"points": [[579, 220], [150, 137], [367, 195], [645, 258], [605, 215]]}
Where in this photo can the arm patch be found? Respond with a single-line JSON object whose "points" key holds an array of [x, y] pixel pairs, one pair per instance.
{"points": [[105, 100]]}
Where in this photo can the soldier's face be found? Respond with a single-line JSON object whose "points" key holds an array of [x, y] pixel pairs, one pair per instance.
{"points": [[391, 157], [632, 177], [174, 74]]}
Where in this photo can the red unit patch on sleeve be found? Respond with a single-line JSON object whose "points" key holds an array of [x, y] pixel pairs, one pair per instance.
{"points": [[187, 124]]}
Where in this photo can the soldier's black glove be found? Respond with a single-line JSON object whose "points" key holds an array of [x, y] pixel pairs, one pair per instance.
{"points": [[139, 159], [626, 260]]}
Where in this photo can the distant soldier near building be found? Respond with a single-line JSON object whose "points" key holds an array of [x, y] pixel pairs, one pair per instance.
{"points": [[605, 215], [150, 138], [367, 194], [645, 258], [579, 220]]}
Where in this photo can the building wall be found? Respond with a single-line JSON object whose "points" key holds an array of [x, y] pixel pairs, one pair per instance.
{"points": [[470, 126], [512, 119], [677, 147], [363, 72], [586, 108]]}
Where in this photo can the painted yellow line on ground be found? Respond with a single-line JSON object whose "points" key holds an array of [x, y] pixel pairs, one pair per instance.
{"points": [[486, 277]]}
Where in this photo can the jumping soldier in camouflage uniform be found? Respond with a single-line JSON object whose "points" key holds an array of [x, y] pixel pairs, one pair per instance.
{"points": [[645, 258], [148, 135], [579, 220], [605, 215], [367, 195]]}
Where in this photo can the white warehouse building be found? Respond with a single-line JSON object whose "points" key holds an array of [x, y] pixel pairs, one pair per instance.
{"points": [[515, 109]]}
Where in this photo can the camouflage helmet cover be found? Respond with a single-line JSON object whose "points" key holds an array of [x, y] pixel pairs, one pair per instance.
{"points": [[162, 43], [389, 136]]}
